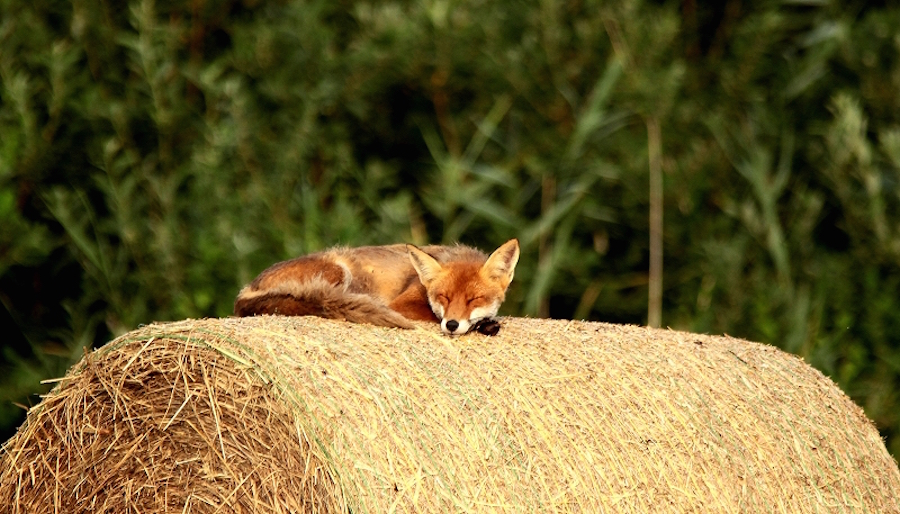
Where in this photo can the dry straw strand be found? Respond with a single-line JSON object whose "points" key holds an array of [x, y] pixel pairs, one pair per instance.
{"points": [[277, 415]]}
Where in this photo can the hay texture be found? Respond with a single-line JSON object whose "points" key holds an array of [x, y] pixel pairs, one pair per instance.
{"points": [[275, 414]]}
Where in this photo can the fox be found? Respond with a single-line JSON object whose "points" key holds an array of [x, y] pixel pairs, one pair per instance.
{"points": [[458, 286]]}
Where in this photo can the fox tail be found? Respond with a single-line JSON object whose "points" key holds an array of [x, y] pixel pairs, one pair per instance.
{"points": [[317, 297]]}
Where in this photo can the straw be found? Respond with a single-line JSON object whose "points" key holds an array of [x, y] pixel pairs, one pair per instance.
{"points": [[277, 415]]}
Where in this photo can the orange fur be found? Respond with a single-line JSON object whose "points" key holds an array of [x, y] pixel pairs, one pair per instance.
{"points": [[386, 285]]}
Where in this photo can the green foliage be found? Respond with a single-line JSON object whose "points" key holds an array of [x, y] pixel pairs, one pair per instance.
{"points": [[154, 159]]}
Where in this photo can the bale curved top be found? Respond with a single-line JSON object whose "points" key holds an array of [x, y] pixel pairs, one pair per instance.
{"points": [[275, 414]]}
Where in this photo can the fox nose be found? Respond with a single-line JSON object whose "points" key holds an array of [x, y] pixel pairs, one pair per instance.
{"points": [[452, 325]]}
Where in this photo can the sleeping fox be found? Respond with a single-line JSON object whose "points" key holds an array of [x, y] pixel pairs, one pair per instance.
{"points": [[458, 286]]}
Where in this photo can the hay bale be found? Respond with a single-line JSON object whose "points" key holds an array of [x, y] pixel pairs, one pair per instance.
{"points": [[277, 414]]}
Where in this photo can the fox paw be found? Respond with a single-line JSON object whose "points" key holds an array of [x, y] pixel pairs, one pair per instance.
{"points": [[487, 326]]}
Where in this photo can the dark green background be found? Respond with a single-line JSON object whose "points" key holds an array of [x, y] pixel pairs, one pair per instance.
{"points": [[155, 156]]}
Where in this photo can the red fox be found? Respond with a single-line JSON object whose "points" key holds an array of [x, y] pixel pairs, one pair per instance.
{"points": [[458, 286]]}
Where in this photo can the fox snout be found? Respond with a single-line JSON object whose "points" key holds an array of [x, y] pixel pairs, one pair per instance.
{"points": [[454, 327], [488, 326]]}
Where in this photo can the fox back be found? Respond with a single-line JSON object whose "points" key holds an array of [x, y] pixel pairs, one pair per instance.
{"points": [[387, 285]]}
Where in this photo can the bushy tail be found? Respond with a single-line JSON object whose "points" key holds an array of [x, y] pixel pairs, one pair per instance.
{"points": [[317, 297]]}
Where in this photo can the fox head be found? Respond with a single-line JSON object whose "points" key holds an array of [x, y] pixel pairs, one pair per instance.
{"points": [[463, 293]]}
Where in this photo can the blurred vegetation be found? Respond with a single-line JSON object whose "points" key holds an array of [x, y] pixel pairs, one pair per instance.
{"points": [[156, 155]]}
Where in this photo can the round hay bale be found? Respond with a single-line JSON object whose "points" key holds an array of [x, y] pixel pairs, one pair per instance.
{"points": [[276, 414]]}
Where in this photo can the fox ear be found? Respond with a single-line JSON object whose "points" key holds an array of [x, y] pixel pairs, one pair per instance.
{"points": [[425, 265], [501, 265]]}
